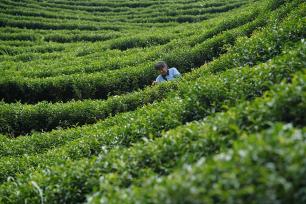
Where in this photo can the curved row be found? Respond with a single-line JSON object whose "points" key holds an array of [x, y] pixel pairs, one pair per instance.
{"points": [[45, 116], [150, 15], [269, 171], [149, 145], [186, 105], [115, 82], [36, 69], [221, 129], [80, 86]]}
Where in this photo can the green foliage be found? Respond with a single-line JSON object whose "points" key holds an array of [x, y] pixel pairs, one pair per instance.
{"points": [[101, 85], [46, 116], [124, 129], [131, 42], [178, 147], [259, 168], [230, 130]]}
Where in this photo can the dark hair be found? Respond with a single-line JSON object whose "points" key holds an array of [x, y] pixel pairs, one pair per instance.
{"points": [[160, 65]]}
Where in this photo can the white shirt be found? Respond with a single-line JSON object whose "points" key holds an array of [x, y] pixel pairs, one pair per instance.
{"points": [[172, 74]]}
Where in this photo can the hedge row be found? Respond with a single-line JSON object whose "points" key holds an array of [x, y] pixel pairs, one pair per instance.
{"points": [[222, 7], [123, 43], [13, 34], [40, 23], [19, 36], [209, 95], [120, 167], [8, 50], [37, 70], [19, 119], [80, 86], [149, 14], [37, 122], [59, 37], [117, 5], [267, 167], [122, 9], [188, 4], [181, 16], [69, 63], [145, 41], [37, 22], [185, 145], [30, 71], [76, 38], [77, 59]]}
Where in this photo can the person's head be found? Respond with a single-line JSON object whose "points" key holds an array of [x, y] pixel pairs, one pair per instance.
{"points": [[162, 67]]}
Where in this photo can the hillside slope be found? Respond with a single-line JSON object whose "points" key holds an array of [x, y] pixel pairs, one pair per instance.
{"points": [[81, 122]]}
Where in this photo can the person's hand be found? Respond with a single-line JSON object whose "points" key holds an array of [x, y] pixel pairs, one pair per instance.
{"points": [[154, 82]]}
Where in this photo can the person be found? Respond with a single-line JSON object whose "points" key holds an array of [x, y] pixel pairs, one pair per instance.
{"points": [[166, 74]]}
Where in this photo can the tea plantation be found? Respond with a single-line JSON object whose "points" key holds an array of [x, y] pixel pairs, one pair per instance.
{"points": [[81, 122]]}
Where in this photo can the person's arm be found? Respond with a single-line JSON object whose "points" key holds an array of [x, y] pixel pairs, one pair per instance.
{"points": [[157, 80], [176, 73]]}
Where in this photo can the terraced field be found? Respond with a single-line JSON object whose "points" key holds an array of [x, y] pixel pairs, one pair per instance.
{"points": [[80, 121]]}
